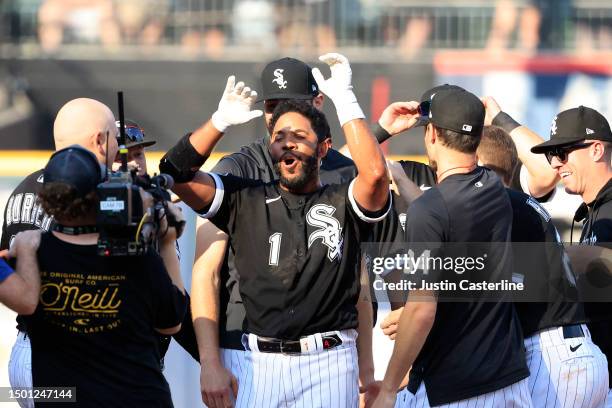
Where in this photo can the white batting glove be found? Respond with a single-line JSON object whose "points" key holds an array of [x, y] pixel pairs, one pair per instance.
{"points": [[338, 87], [235, 105]]}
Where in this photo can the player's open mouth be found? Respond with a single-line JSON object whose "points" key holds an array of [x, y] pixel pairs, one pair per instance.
{"points": [[564, 174], [289, 163]]}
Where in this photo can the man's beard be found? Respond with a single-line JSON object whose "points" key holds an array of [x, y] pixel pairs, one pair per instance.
{"points": [[433, 164], [308, 170]]}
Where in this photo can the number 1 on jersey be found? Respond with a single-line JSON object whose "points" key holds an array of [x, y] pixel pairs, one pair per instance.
{"points": [[275, 242]]}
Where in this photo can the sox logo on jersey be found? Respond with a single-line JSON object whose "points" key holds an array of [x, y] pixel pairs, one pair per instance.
{"points": [[330, 231]]}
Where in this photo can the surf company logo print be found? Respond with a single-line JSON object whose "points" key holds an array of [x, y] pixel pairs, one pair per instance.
{"points": [[81, 304], [329, 230], [279, 79]]}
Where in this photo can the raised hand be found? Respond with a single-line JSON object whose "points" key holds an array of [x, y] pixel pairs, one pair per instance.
{"points": [[492, 108], [235, 105], [399, 117], [339, 87]]}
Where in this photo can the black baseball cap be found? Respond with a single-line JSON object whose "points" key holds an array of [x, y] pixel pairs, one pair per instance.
{"points": [[288, 78], [76, 167], [453, 108], [574, 125], [426, 102], [134, 135]]}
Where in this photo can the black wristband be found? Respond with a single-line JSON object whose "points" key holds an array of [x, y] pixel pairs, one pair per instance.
{"points": [[182, 161], [505, 121], [380, 133]]}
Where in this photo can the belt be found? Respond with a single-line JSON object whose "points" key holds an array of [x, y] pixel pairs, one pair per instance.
{"points": [[268, 345], [572, 330]]}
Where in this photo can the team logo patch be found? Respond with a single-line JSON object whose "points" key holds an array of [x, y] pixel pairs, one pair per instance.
{"points": [[279, 79], [329, 230], [589, 131], [553, 127]]}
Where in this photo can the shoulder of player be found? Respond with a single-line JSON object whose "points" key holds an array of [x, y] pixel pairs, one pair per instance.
{"points": [[31, 184], [336, 160], [249, 157], [524, 205], [419, 173]]}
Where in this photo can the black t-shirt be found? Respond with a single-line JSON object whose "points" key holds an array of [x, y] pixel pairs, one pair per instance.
{"points": [[94, 325], [466, 208], [23, 212], [296, 255], [254, 162], [597, 230], [544, 267]]}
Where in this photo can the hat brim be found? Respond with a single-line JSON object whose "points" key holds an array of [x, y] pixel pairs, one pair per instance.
{"points": [[552, 143], [141, 144], [285, 96]]}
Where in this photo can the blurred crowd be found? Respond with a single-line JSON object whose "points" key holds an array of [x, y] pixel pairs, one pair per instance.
{"points": [[209, 26]]}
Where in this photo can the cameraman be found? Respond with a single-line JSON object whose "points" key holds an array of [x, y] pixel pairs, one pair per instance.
{"points": [[96, 325]]}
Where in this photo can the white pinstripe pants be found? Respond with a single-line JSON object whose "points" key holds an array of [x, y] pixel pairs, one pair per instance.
{"points": [[513, 396], [570, 373], [321, 379], [20, 367]]}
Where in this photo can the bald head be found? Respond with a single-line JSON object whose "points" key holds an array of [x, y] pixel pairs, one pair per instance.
{"points": [[88, 123]]}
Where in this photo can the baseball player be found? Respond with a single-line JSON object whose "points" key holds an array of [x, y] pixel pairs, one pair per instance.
{"points": [[566, 368], [300, 284], [579, 152], [222, 311], [440, 339]]}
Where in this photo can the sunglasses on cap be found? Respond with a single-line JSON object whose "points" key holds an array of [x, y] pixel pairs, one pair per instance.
{"points": [[561, 152], [423, 110], [134, 133]]}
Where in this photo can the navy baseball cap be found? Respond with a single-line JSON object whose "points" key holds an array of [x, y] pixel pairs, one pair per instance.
{"points": [[574, 125], [76, 167], [288, 78]]}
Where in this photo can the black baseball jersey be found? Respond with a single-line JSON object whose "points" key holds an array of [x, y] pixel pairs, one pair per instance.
{"points": [[544, 267], [466, 208], [597, 230], [254, 162], [23, 212], [296, 255]]}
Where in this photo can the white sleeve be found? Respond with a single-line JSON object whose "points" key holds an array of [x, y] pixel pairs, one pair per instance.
{"points": [[217, 200], [524, 178], [360, 213]]}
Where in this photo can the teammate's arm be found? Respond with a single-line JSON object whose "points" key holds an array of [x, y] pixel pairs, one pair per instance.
{"points": [[541, 178], [20, 290], [415, 323], [396, 118], [184, 160], [367, 384], [371, 186], [217, 385]]}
